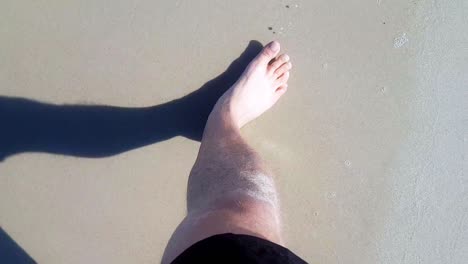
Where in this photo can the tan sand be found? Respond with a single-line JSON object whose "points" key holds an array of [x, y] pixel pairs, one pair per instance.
{"points": [[369, 143]]}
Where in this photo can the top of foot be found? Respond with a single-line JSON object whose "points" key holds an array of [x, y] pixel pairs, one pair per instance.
{"points": [[263, 82]]}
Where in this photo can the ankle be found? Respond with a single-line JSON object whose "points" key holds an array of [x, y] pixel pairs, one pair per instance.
{"points": [[220, 125]]}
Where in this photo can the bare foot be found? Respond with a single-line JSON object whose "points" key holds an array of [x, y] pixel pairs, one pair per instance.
{"points": [[263, 82]]}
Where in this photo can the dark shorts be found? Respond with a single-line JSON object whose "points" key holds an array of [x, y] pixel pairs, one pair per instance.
{"points": [[231, 248]]}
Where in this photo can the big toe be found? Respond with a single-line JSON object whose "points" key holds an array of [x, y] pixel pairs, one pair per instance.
{"points": [[269, 52]]}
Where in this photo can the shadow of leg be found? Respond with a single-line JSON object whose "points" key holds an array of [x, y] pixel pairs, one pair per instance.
{"points": [[99, 131], [11, 252]]}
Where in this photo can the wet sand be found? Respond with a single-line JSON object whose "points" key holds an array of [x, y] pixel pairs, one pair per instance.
{"points": [[368, 145]]}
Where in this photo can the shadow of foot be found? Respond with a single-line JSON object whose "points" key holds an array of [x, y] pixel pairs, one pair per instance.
{"points": [[99, 131]]}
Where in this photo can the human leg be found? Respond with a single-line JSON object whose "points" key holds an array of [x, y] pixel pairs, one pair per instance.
{"points": [[230, 188]]}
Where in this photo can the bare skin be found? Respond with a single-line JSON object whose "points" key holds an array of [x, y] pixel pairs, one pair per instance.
{"points": [[230, 189]]}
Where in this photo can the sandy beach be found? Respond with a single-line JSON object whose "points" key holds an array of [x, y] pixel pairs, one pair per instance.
{"points": [[368, 145]]}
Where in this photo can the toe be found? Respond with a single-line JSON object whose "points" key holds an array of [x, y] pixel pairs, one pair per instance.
{"points": [[280, 91], [276, 63], [282, 69], [282, 79], [269, 52]]}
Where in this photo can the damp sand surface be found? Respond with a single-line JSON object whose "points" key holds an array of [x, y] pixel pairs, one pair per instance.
{"points": [[368, 145]]}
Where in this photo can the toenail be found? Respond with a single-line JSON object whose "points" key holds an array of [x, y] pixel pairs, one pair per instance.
{"points": [[286, 57], [274, 46]]}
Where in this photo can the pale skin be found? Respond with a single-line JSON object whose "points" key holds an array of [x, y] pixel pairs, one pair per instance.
{"points": [[230, 188]]}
